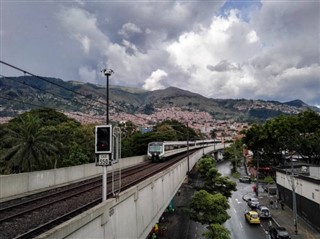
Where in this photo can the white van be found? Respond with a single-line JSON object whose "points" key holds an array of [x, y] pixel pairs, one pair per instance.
{"points": [[263, 212]]}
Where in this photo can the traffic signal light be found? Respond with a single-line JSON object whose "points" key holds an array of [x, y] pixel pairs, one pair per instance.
{"points": [[103, 139]]}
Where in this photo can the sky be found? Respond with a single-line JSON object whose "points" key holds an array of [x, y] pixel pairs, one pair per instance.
{"points": [[268, 49]]}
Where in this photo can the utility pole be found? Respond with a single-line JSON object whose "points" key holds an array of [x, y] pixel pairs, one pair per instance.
{"points": [[294, 200], [188, 148], [203, 147], [257, 174]]}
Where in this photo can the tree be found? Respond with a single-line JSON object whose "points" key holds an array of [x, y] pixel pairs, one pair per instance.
{"points": [[234, 154], [297, 134], [181, 130], [204, 165], [213, 134], [309, 136], [221, 184], [127, 129], [28, 145], [169, 130], [77, 156], [217, 231], [208, 209], [214, 182], [73, 142], [66, 141], [48, 117]]}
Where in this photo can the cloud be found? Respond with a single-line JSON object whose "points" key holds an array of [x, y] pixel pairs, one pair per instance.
{"points": [[129, 29], [222, 66], [87, 75], [153, 82], [264, 50], [203, 55], [82, 26]]}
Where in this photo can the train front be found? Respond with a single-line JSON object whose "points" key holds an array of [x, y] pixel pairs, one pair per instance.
{"points": [[155, 151]]}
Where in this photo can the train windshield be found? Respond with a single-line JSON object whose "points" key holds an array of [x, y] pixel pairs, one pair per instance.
{"points": [[155, 148]]}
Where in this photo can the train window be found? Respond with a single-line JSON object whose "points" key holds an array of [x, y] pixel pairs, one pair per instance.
{"points": [[155, 148]]}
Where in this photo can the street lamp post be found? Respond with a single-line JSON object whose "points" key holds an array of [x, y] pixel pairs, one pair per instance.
{"points": [[107, 73], [188, 148], [257, 174]]}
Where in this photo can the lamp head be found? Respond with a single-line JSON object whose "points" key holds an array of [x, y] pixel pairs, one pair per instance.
{"points": [[107, 72]]}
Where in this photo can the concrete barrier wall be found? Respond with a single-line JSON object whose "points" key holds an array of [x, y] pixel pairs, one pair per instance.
{"points": [[133, 213], [16, 184]]}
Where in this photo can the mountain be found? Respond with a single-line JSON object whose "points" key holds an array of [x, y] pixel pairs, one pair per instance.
{"points": [[19, 94]]}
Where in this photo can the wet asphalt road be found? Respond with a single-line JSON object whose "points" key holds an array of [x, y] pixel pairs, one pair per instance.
{"points": [[179, 226]]}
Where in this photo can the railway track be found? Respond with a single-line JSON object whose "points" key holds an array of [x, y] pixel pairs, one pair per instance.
{"points": [[30, 216]]}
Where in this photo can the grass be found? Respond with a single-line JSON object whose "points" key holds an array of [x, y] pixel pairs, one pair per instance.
{"points": [[236, 175]]}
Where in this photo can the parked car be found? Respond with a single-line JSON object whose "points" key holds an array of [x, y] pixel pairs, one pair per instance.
{"points": [[263, 211], [245, 179], [252, 217], [271, 189], [279, 233], [253, 202]]}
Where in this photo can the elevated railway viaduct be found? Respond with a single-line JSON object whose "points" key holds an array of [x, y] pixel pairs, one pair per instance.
{"points": [[131, 214]]}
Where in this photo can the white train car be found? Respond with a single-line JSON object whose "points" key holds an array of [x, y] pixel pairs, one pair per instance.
{"points": [[160, 151]]}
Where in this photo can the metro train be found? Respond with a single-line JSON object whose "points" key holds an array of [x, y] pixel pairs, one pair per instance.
{"points": [[160, 151]]}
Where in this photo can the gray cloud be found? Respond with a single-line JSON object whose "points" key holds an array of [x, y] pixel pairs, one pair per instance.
{"points": [[272, 53], [222, 66]]}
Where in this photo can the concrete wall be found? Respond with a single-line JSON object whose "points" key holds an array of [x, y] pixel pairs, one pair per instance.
{"points": [[16, 184], [314, 171], [307, 189], [133, 213]]}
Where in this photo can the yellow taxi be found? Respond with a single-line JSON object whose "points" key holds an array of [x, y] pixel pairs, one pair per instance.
{"points": [[252, 217]]}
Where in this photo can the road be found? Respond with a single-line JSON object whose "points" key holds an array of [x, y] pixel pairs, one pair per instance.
{"points": [[181, 227], [237, 225]]}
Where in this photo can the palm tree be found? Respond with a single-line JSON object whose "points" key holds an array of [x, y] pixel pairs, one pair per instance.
{"points": [[213, 134], [28, 147]]}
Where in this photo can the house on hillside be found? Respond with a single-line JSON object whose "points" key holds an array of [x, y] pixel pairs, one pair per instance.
{"points": [[304, 181]]}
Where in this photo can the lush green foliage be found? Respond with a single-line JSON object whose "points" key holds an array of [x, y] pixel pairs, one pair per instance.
{"points": [[208, 208], [44, 139], [217, 231], [209, 205], [280, 138], [136, 143], [214, 182], [204, 165], [27, 146], [234, 154]]}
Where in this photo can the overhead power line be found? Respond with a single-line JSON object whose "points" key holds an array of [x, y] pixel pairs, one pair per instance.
{"points": [[46, 80], [53, 83], [69, 99]]}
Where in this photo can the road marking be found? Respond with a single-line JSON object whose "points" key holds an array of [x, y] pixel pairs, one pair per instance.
{"points": [[238, 201]]}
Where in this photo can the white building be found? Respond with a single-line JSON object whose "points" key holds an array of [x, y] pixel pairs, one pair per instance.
{"points": [[305, 182]]}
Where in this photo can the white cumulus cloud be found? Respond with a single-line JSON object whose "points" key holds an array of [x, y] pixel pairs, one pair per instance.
{"points": [[154, 81]]}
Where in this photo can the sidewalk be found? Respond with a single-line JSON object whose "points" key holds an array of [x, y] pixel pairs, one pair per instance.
{"points": [[284, 218]]}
